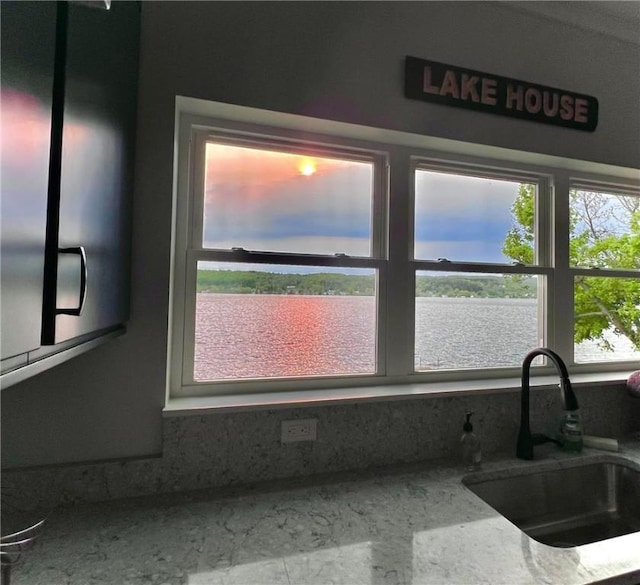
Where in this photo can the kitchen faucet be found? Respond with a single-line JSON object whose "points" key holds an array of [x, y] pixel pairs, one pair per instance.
{"points": [[526, 440]]}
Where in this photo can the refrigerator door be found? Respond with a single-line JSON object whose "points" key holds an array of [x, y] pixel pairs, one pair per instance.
{"points": [[27, 48], [90, 248]]}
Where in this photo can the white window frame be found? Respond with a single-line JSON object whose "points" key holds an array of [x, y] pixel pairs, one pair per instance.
{"points": [[543, 252], [397, 158], [565, 285], [189, 250]]}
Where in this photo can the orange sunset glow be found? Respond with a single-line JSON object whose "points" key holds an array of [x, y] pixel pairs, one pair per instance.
{"points": [[257, 169], [261, 198], [307, 167]]}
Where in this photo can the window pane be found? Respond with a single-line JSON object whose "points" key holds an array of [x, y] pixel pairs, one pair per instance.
{"points": [[607, 319], [285, 202], [473, 219], [605, 230], [475, 320], [267, 321]]}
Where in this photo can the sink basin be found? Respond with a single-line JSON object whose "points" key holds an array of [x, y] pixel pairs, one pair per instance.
{"points": [[569, 505]]}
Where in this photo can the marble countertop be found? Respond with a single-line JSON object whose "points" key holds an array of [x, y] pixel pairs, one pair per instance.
{"points": [[417, 525]]}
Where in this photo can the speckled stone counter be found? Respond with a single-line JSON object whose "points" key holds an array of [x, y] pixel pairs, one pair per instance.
{"points": [[415, 525]]}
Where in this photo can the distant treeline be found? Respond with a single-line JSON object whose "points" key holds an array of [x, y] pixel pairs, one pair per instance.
{"points": [[254, 282], [514, 286], [271, 283]]}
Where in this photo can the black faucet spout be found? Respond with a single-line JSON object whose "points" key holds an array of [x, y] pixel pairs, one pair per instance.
{"points": [[526, 441]]}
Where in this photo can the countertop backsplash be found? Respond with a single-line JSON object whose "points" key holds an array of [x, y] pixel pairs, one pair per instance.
{"points": [[242, 448]]}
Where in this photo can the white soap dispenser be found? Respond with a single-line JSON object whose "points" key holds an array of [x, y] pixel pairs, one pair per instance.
{"points": [[470, 444]]}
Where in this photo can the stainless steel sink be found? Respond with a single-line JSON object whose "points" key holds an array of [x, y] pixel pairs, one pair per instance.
{"points": [[566, 506]]}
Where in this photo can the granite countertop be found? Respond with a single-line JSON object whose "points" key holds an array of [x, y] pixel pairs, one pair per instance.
{"points": [[415, 525]]}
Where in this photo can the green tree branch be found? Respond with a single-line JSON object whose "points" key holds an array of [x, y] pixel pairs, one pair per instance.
{"points": [[604, 233]]}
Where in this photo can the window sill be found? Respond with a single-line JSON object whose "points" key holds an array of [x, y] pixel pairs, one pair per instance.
{"points": [[198, 405]]}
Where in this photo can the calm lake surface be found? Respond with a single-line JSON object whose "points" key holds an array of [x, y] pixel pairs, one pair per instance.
{"points": [[240, 336]]}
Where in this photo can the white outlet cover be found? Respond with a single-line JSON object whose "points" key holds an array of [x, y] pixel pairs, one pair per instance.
{"points": [[299, 430]]}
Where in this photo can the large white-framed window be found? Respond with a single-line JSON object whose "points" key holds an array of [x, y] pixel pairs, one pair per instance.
{"points": [[476, 306], [604, 265], [305, 260], [284, 262]]}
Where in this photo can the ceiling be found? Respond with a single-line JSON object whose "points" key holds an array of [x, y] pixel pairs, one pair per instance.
{"points": [[619, 19]]}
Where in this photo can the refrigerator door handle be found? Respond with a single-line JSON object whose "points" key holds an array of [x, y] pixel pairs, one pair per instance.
{"points": [[80, 251]]}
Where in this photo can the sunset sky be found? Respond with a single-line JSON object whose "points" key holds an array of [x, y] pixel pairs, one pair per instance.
{"points": [[274, 201], [462, 218]]}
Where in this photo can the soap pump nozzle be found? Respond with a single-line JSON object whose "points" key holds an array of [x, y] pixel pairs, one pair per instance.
{"points": [[468, 427], [471, 453]]}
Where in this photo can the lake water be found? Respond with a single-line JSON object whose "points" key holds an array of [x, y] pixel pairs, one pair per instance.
{"points": [[247, 336]]}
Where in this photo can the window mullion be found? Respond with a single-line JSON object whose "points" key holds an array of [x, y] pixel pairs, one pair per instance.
{"points": [[400, 314], [380, 250], [561, 320], [544, 237]]}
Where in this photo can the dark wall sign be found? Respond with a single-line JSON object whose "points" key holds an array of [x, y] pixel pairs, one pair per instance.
{"points": [[465, 88]]}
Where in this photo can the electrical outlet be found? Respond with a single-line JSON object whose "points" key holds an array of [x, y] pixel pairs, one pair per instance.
{"points": [[299, 430]]}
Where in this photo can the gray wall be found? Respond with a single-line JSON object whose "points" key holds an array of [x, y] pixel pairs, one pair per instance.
{"points": [[336, 60]]}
